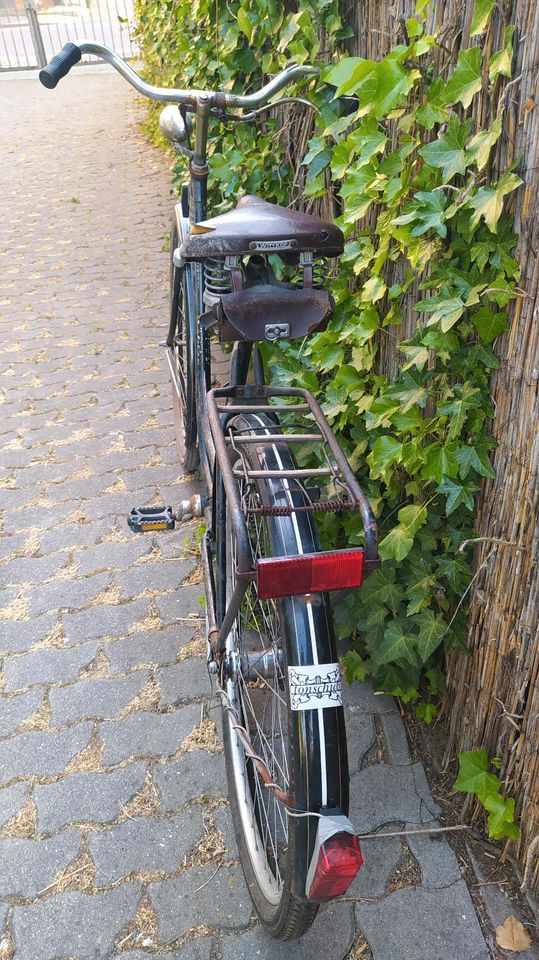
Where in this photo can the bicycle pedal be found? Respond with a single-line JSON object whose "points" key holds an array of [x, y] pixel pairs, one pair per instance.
{"points": [[145, 519]]}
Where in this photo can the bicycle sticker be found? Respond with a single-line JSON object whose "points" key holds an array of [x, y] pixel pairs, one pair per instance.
{"points": [[315, 687]]}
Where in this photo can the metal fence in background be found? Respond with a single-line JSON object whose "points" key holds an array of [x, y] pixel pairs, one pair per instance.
{"points": [[30, 32]]}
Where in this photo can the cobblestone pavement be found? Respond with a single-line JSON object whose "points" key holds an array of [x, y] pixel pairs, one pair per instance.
{"points": [[115, 833]]}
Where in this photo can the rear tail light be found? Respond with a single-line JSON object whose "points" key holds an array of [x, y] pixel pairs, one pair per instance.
{"points": [[309, 573], [335, 861]]}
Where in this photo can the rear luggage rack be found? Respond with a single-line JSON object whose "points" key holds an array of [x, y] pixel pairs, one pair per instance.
{"points": [[226, 403]]}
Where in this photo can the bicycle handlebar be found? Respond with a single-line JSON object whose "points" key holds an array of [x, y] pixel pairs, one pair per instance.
{"points": [[61, 64]]}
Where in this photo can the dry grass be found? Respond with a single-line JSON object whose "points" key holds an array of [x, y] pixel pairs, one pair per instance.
{"points": [[145, 804], [40, 720], [212, 848], [147, 699], [17, 609], [147, 624], [88, 760], [78, 875], [7, 948], [97, 670], [69, 571], [23, 825], [54, 638], [360, 949], [118, 486], [195, 648], [407, 873], [155, 461], [203, 737], [115, 536], [154, 555], [196, 576], [117, 446], [143, 930], [78, 516], [110, 596]]}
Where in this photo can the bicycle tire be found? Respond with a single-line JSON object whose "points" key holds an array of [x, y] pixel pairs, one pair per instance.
{"points": [[183, 316], [275, 867]]}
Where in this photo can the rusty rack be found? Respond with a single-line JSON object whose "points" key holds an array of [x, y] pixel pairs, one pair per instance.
{"points": [[226, 403]]}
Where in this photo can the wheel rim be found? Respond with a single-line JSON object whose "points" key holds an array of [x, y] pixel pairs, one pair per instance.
{"points": [[262, 708]]}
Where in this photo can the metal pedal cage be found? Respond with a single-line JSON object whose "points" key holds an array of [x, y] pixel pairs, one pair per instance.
{"points": [[251, 399]]}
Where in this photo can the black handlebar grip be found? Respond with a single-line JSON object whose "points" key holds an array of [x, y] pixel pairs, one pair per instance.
{"points": [[60, 65]]}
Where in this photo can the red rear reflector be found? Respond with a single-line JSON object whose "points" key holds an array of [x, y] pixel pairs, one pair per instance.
{"points": [[309, 573], [338, 862]]}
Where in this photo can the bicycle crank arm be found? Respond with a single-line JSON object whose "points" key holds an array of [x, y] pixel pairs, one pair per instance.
{"points": [[147, 519]]}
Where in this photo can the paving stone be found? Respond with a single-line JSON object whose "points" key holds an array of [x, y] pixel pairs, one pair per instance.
{"points": [[13, 710], [12, 799], [436, 858], [183, 902], [187, 680], [4, 910], [41, 754], [395, 738], [17, 636], [362, 697], [158, 646], [145, 845], [78, 925], [113, 556], [100, 699], [67, 594], [32, 569], [48, 665], [199, 949], [28, 866], [360, 736], [87, 797], [148, 734], [383, 793], [185, 602], [72, 536], [380, 859], [104, 620], [330, 938], [154, 576], [194, 775], [416, 924]]}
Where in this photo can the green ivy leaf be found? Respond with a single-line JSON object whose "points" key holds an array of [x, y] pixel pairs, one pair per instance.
{"points": [[471, 459], [457, 495], [473, 776], [432, 630], [481, 16], [426, 712], [465, 81], [487, 203], [500, 62], [397, 544], [245, 24], [355, 666], [381, 588], [385, 452], [373, 290], [398, 644], [501, 818], [448, 152], [444, 310], [489, 324], [479, 147], [439, 462]]}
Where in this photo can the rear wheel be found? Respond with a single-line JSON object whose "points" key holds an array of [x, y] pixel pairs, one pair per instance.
{"points": [[304, 751], [183, 315]]}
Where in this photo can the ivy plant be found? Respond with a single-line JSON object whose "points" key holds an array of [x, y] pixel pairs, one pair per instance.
{"points": [[428, 239], [474, 777]]}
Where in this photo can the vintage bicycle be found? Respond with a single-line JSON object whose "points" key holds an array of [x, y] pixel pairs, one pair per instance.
{"points": [[271, 466]]}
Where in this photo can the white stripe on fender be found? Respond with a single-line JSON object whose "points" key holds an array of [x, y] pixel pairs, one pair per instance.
{"points": [[310, 618]]}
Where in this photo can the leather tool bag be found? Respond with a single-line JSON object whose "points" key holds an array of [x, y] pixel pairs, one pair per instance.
{"points": [[268, 312]]}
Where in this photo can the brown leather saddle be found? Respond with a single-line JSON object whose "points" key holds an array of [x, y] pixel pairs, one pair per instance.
{"points": [[265, 310], [256, 226]]}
